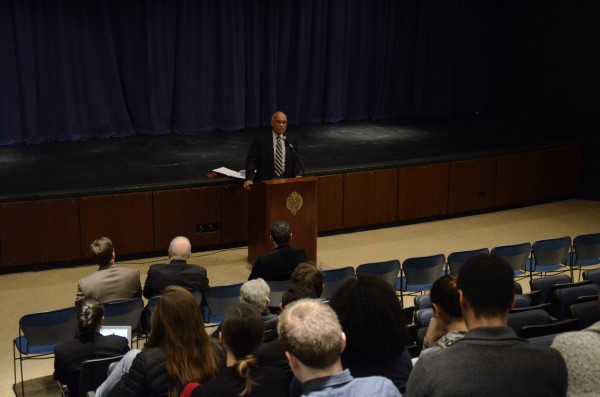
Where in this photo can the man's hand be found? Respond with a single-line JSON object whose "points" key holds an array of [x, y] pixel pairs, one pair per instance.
{"points": [[248, 184]]}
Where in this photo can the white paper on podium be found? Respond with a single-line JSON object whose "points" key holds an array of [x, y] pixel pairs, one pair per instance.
{"points": [[234, 174]]}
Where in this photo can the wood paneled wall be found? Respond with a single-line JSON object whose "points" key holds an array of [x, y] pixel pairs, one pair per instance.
{"points": [[37, 232]]}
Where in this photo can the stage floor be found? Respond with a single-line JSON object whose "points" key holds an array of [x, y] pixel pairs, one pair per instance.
{"points": [[143, 163]]}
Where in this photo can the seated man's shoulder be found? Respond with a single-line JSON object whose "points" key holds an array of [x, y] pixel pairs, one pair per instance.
{"points": [[373, 386]]}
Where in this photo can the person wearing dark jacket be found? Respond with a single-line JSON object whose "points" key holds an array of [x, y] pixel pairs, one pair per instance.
{"points": [[175, 355], [242, 334], [280, 263], [87, 345], [272, 154], [178, 272]]}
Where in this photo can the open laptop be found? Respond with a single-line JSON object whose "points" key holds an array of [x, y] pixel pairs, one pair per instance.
{"points": [[119, 330]]}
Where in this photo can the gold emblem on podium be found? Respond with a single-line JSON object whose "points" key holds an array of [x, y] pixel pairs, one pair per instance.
{"points": [[294, 202]]}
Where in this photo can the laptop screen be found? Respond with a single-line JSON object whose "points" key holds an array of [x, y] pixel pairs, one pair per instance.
{"points": [[119, 330]]}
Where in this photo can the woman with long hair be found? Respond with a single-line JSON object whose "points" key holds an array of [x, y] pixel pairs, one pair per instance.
{"points": [[87, 345], [241, 335], [178, 352], [372, 319]]}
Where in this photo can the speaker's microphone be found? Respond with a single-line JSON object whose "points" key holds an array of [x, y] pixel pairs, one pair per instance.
{"points": [[289, 144]]}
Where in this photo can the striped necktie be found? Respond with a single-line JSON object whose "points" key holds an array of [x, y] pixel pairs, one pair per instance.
{"points": [[279, 167]]}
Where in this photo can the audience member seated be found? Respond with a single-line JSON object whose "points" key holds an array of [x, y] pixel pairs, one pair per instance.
{"points": [[313, 341], [178, 272], [447, 326], [178, 352], [490, 359], [581, 350], [241, 335], [372, 319], [256, 294], [281, 262], [110, 283], [87, 345], [272, 353], [308, 274]]}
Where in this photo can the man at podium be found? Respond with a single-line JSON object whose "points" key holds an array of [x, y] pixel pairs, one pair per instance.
{"points": [[280, 263], [272, 155]]}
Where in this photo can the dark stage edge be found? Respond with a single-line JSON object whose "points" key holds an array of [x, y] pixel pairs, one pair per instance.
{"points": [[145, 163]]}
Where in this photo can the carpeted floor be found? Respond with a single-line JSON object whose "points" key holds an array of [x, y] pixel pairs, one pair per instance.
{"points": [[30, 292]]}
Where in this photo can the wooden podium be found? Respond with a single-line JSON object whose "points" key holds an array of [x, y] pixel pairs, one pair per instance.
{"points": [[293, 200]]}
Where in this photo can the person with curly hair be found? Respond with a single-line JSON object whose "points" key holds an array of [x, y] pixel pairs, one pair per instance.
{"points": [[372, 319], [447, 326], [241, 335], [177, 353], [88, 344]]}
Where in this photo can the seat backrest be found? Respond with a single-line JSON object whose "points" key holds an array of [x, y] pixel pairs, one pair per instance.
{"points": [[219, 299], [516, 255], [543, 285], [423, 317], [457, 259], [387, 270], [49, 328], [277, 290], [593, 275], [533, 331], [147, 314], [551, 251], [125, 312], [518, 288], [565, 297], [547, 307], [423, 302], [587, 247], [93, 373], [424, 269], [518, 320], [522, 301], [586, 313], [334, 278]]}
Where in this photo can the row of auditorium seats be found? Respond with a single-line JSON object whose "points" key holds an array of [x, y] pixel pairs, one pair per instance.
{"points": [[414, 276]]}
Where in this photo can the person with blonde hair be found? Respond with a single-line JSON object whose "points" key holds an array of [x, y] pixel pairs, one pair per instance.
{"points": [[177, 353], [313, 341], [241, 335]]}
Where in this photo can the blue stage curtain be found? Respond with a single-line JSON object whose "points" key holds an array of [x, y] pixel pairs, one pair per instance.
{"points": [[74, 69]]}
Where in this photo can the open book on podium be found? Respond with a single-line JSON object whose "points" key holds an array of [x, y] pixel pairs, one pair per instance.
{"points": [[234, 174], [293, 200]]}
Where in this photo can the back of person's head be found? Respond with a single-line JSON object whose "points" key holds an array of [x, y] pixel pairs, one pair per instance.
{"points": [[369, 310], [487, 283], [178, 327], [180, 248], [296, 292], [90, 313], [242, 332], [444, 293], [281, 232], [101, 251], [255, 293], [307, 273], [309, 329]]}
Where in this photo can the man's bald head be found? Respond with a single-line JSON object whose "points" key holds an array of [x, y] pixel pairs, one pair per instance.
{"points": [[180, 248]]}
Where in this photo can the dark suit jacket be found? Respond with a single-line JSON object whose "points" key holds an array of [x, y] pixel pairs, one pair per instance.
{"points": [[178, 272], [278, 264], [261, 158], [68, 357]]}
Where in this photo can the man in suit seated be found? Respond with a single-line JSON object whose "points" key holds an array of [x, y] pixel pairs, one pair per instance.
{"points": [[490, 359], [281, 262], [110, 283], [178, 272], [313, 340]]}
